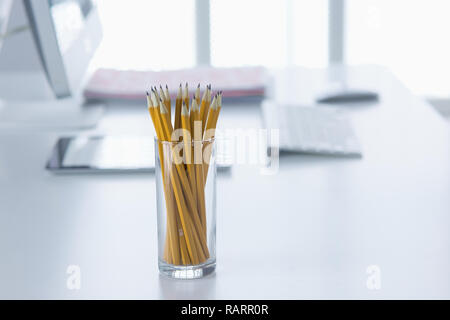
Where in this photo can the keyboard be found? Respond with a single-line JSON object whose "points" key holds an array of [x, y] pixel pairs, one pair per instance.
{"points": [[315, 129]]}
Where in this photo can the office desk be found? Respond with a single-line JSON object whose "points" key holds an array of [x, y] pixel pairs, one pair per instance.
{"points": [[309, 231]]}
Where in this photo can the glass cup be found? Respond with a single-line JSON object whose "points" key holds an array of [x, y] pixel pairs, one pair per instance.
{"points": [[186, 208]]}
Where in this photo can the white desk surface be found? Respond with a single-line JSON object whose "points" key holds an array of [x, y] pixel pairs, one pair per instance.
{"points": [[309, 231]]}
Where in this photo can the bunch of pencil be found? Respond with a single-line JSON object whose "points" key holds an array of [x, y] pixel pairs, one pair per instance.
{"points": [[184, 170]]}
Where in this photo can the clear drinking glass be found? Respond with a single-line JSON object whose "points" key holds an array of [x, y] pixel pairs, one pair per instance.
{"points": [[186, 208]]}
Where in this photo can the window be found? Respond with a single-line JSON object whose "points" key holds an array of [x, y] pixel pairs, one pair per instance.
{"points": [[272, 33], [408, 36], [309, 35], [156, 34], [251, 32], [147, 34]]}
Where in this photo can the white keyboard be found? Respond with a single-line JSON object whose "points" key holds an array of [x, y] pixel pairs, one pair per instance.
{"points": [[315, 129]]}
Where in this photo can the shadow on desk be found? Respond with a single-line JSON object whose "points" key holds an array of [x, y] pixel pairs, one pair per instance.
{"points": [[352, 106], [296, 160]]}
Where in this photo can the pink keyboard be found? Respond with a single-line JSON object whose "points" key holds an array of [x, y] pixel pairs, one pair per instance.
{"points": [[131, 84]]}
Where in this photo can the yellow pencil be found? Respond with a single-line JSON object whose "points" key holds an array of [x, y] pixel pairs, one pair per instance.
{"points": [[178, 101], [210, 131], [186, 125], [164, 99], [169, 102], [197, 94], [198, 163], [203, 107], [186, 95]]}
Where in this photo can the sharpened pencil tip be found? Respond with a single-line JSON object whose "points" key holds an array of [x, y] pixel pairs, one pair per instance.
{"points": [[184, 110], [194, 105]]}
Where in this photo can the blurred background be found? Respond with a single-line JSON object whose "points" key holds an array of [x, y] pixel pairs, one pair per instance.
{"points": [[408, 36]]}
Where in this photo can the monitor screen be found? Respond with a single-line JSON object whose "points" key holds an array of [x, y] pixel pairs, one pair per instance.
{"points": [[69, 18], [66, 34]]}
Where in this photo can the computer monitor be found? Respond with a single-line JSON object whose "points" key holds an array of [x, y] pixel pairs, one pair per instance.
{"points": [[66, 34], [44, 65]]}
